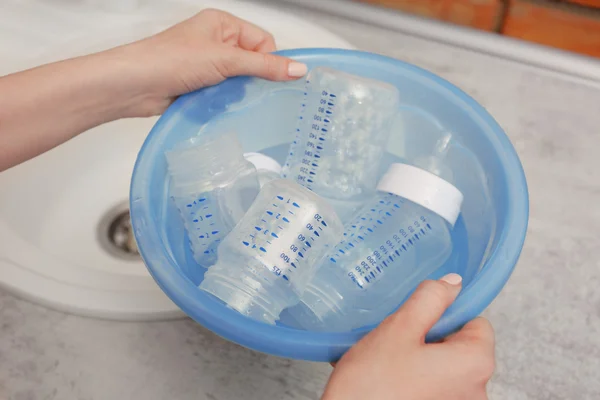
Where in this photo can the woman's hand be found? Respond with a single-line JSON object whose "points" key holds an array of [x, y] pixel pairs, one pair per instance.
{"points": [[203, 51], [43, 107], [393, 362]]}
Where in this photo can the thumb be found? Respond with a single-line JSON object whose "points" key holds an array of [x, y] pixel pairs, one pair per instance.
{"points": [[427, 304], [262, 65]]}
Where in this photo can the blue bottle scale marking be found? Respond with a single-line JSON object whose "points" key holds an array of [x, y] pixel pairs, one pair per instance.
{"points": [[205, 226], [388, 250], [283, 237], [319, 122]]}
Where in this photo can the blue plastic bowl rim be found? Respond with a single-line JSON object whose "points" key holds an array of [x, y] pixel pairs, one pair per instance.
{"points": [[473, 299]]}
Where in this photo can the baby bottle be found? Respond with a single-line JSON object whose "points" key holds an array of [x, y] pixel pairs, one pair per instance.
{"points": [[267, 260], [343, 128], [399, 238], [212, 185]]}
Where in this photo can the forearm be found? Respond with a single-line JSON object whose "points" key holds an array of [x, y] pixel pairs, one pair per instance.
{"points": [[46, 106]]}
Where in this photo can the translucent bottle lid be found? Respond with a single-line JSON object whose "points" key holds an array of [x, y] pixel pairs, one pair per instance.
{"points": [[423, 188]]}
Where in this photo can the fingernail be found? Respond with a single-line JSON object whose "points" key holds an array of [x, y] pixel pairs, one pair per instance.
{"points": [[452, 279], [297, 69]]}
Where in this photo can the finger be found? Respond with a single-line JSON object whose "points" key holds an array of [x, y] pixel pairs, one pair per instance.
{"points": [[478, 331], [427, 304], [255, 38], [477, 339], [267, 66], [249, 36]]}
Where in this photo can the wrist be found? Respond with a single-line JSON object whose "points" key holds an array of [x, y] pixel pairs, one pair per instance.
{"points": [[127, 86]]}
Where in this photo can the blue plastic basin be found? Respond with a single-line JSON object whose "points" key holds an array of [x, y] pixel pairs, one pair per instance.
{"points": [[488, 237]]}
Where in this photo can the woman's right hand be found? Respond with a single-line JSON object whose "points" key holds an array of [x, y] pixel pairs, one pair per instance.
{"points": [[394, 362]]}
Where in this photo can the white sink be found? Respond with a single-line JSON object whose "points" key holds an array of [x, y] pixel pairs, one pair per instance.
{"points": [[55, 210]]}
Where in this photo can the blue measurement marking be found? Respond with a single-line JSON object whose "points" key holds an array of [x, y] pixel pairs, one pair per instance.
{"points": [[285, 277], [293, 265], [258, 228], [308, 244], [391, 258], [301, 255], [332, 259], [342, 251], [370, 230], [367, 279], [274, 235], [296, 205], [350, 244], [323, 223], [404, 247], [263, 220], [379, 222], [309, 180], [422, 231], [208, 215], [384, 264], [270, 212], [397, 252], [378, 269], [428, 226], [332, 95], [280, 197], [361, 238], [263, 249], [410, 241], [214, 232], [323, 130], [275, 205], [372, 274], [285, 219], [317, 233]]}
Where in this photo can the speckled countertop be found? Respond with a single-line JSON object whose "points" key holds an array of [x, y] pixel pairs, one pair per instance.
{"points": [[547, 318]]}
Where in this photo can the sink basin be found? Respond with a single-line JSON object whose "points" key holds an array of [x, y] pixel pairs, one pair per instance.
{"points": [[65, 238]]}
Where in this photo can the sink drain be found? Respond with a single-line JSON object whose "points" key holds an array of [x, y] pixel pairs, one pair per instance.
{"points": [[115, 234]]}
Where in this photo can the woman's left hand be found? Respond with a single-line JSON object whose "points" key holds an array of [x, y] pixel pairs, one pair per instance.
{"points": [[203, 51]]}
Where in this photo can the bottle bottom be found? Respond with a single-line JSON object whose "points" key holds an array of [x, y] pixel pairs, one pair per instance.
{"points": [[244, 294], [318, 311]]}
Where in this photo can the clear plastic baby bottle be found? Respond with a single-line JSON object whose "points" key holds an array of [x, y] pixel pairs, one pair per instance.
{"points": [[212, 185], [343, 128], [393, 243], [265, 263]]}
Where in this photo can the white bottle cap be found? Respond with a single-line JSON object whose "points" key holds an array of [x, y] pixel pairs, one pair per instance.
{"points": [[423, 188], [261, 161]]}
